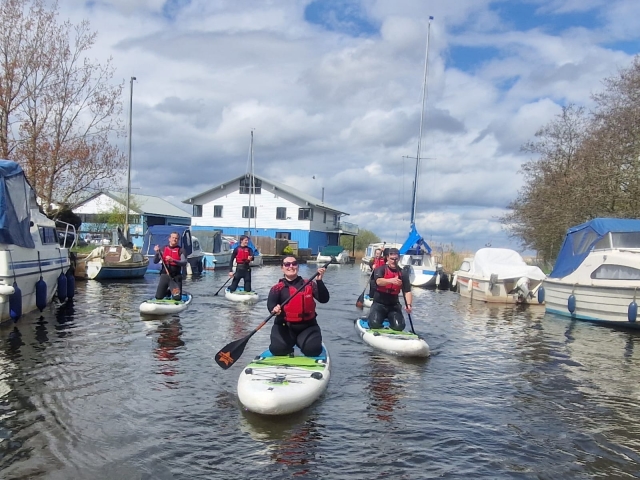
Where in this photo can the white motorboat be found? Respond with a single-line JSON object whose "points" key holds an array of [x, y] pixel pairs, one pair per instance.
{"points": [[596, 276], [370, 252], [33, 266], [498, 275], [335, 254]]}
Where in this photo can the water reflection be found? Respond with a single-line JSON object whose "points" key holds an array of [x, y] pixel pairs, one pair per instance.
{"points": [[383, 389], [291, 441], [169, 343]]}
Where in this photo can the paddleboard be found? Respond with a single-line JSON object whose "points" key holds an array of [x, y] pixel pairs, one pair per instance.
{"points": [[241, 296], [404, 344], [165, 306], [279, 385]]}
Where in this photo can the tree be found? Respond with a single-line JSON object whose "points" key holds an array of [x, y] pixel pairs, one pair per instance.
{"points": [[59, 111], [363, 239]]}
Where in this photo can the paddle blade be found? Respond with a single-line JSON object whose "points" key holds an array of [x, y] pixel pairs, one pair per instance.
{"points": [[231, 353], [360, 301]]}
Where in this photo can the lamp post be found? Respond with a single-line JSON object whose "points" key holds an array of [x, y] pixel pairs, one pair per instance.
{"points": [[126, 215]]}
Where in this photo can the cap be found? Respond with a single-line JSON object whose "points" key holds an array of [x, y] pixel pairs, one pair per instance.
{"points": [[394, 251]]}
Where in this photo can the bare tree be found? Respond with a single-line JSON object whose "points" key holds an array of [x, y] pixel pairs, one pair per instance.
{"points": [[59, 110]]}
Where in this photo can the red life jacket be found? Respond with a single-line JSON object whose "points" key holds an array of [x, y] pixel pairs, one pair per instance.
{"points": [[175, 254], [378, 262], [242, 255], [390, 289], [302, 307]]}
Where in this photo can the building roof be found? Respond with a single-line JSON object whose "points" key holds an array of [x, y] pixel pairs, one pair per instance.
{"points": [[312, 201], [142, 204]]}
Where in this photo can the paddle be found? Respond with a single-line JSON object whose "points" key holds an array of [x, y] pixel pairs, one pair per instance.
{"points": [[404, 295], [223, 285], [360, 301], [174, 287], [232, 351]]}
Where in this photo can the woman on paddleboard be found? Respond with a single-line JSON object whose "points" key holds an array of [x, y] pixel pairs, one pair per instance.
{"points": [[243, 255], [296, 323], [390, 281]]}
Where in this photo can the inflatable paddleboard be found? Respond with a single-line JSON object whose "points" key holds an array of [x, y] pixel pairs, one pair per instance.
{"points": [[241, 296], [279, 385], [404, 344], [166, 305]]}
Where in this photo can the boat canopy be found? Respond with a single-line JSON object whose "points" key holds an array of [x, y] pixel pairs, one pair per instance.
{"points": [[580, 241], [16, 197], [332, 251], [159, 235], [412, 245], [505, 263]]}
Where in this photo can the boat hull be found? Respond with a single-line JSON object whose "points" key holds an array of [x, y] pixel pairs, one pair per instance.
{"points": [[280, 385], [100, 271], [480, 289], [594, 303]]}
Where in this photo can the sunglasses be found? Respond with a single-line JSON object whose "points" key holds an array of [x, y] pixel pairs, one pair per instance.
{"points": [[289, 264]]}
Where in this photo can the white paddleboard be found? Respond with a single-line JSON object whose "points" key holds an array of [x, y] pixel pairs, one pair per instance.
{"points": [[279, 385], [165, 306], [403, 343], [241, 296]]}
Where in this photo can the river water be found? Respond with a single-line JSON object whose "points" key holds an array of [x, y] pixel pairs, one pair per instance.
{"points": [[91, 391]]}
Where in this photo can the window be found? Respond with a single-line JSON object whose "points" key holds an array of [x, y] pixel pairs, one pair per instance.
{"points": [[245, 185], [249, 212], [48, 235], [335, 219], [324, 220], [626, 240], [197, 210], [281, 213], [217, 211], [305, 214], [284, 235], [615, 272]]}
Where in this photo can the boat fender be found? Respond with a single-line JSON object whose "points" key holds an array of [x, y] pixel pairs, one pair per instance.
{"points": [[15, 303], [455, 280], [571, 303], [71, 284], [438, 279], [316, 375], [541, 295], [248, 371], [632, 312], [62, 287], [41, 294]]}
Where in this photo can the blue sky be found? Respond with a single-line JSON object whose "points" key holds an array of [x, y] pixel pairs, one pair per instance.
{"points": [[332, 89]]}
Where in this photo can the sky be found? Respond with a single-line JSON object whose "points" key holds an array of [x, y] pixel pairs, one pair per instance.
{"points": [[332, 90]]}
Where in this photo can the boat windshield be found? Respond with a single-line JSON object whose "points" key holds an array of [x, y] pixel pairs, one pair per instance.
{"points": [[626, 240]]}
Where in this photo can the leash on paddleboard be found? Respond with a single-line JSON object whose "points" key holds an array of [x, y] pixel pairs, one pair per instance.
{"points": [[223, 285], [232, 351]]}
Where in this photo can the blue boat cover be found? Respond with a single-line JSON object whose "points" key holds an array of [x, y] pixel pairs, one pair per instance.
{"points": [[159, 235], [581, 239], [15, 195], [411, 245]]}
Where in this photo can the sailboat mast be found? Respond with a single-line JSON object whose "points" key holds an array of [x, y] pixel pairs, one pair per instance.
{"points": [[424, 101], [251, 182], [126, 214]]}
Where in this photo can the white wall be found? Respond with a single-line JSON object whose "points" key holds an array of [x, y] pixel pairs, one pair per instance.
{"points": [[101, 204]]}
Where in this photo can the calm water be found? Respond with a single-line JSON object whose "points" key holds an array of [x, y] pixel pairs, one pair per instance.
{"points": [[93, 392]]}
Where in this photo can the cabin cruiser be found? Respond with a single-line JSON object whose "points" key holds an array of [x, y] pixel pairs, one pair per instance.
{"points": [[370, 252]]}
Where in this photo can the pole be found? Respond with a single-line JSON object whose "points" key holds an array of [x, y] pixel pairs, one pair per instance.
{"points": [[126, 215]]}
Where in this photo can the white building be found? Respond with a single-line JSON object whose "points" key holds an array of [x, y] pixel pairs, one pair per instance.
{"points": [[276, 210]]}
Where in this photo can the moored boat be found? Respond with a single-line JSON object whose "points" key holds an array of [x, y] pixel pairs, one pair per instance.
{"points": [[165, 306], [115, 262], [336, 254], [370, 251], [400, 343], [498, 275], [33, 266], [596, 276], [159, 235], [278, 385], [239, 295]]}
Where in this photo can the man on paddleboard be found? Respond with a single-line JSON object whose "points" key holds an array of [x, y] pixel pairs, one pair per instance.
{"points": [[243, 255], [296, 323], [390, 281], [173, 258]]}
